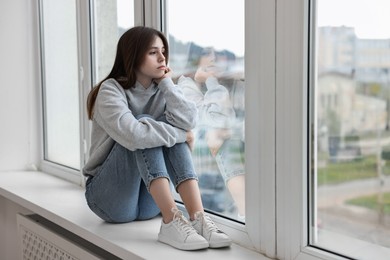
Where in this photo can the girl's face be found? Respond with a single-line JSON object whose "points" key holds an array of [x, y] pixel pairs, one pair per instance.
{"points": [[153, 66], [207, 60]]}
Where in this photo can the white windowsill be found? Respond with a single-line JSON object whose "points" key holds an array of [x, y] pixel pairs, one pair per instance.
{"points": [[63, 203]]}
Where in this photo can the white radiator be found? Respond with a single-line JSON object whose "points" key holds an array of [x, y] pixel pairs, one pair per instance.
{"points": [[41, 239]]}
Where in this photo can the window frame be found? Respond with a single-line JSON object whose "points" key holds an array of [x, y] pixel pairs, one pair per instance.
{"points": [[259, 236], [260, 42], [295, 131], [292, 136], [278, 37], [56, 169]]}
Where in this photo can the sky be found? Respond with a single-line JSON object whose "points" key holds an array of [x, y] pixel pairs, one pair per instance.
{"points": [[370, 18], [220, 23], [125, 13], [217, 23]]}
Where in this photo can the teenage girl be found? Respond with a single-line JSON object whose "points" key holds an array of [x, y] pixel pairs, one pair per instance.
{"points": [[140, 144]]}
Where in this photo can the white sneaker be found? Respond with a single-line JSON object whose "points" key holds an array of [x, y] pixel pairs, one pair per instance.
{"points": [[179, 233], [241, 218], [207, 228]]}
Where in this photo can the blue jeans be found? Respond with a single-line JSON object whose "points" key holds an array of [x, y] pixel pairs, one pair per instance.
{"points": [[230, 159], [119, 192]]}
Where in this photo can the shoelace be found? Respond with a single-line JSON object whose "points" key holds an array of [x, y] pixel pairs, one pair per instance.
{"points": [[210, 224], [182, 223]]}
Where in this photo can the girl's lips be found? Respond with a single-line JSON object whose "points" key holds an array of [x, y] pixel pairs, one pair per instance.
{"points": [[162, 68]]}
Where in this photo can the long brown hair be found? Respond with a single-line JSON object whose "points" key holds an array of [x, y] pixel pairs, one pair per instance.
{"points": [[130, 54]]}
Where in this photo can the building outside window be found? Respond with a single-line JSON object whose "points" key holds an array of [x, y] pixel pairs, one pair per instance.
{"points": [[351, 179]]}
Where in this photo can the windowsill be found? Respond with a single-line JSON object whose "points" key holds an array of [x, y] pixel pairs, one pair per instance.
{"points": [[63, 203]]}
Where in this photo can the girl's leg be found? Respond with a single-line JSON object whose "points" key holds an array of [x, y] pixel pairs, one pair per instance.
{"points": [[116, 193], [161, 193], [182, 172], [151, 164], [230, 163], [190, 194], [236, 187], [181, 169], [175, 229]]}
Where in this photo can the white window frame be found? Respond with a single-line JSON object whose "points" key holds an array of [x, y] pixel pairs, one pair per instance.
{"points": [[277, 39], [260, 124], [259, 232], [84, 36], [72, 175], [293, 130]]}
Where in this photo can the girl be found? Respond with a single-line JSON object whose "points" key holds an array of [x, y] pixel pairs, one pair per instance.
{"points": [[140, 141]]}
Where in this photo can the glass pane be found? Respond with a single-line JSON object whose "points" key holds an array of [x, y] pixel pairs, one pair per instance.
{"points": [[351, 184], [207, 55], [60, 77], [111, 20]]}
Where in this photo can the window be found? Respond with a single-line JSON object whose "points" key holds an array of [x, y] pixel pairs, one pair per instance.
{"points": [[66, 55], [60, 76], [350, 192], [110, 20], [307, 113], [207, 57]]}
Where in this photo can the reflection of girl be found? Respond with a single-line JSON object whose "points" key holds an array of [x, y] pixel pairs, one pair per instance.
{"points": [[140, 141], [221, 119]]}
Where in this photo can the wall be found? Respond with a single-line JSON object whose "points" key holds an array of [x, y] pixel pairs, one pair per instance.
{"points": [[8, 229], [19, 89], [19, 119]]}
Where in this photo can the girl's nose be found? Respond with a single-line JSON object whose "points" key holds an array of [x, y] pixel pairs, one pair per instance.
{"points": [[161, 57]]}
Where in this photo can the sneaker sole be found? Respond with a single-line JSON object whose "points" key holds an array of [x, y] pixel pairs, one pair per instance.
{"points": [[220, 244], [183, 246]]}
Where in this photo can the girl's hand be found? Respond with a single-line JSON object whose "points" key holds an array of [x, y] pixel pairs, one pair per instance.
{"points": [[168, 74], [215, 139], [190, 139], [202, 74]]}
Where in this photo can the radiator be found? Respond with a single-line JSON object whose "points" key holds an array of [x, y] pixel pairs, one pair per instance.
{"points": [[40, 239]]}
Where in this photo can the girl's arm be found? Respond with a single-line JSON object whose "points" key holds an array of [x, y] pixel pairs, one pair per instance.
{"points": [[191, 91], [179, 111], [214, 106], [219, 108], [111, 112]]}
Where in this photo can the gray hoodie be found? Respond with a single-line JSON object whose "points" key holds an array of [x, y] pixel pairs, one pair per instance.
{"points": [[115, 112], [216, 107]]}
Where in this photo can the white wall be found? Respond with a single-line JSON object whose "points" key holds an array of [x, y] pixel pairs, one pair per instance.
{"points": [[9, 247], [19, 85], [19, 119]]}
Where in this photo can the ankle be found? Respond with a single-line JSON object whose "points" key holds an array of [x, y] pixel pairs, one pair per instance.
{"points": [[168, 216], [195, 215], [167, 220]]}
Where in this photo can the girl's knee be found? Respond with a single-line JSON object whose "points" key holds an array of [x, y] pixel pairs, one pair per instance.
{"points": [[148, 213], [112, 216]]}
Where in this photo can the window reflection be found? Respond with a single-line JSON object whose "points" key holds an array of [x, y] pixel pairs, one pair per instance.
{"points": [[210, 71], [352, 193]]}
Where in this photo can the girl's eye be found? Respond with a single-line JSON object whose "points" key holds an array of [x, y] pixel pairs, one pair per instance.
{"points": [[155, 52]]}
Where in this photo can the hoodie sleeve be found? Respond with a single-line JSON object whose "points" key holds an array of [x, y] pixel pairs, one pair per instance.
{"points": [[179, 111], [214, 106], [112, 113]]}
